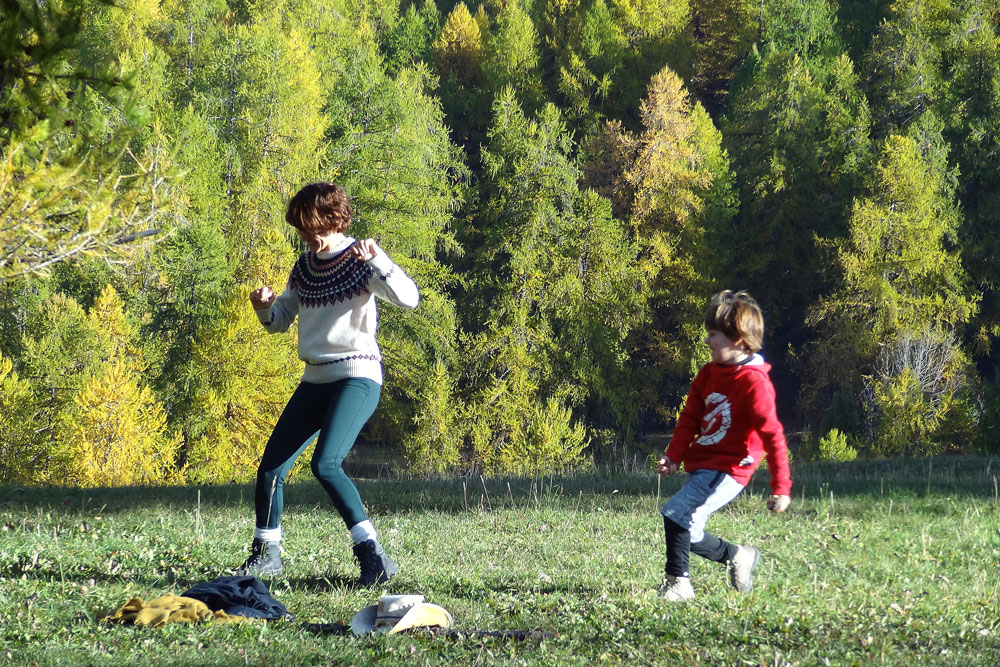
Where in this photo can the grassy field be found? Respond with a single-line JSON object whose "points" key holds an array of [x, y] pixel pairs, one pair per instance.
{"points": [[877, 562]]}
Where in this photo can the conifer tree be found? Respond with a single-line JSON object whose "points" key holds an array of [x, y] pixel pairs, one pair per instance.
{"points": [[551, 275], [604, 53], [58, 356], [68, 183], [972, 117], [903, 63], [511, 56], [434, 443], [263, 86], [192, 277], [458, 49], [672, 183], [798, 132], [893, 324], [723, 32], [249, 376], [114, 433], [412, 39], [458, 57], [389, 146], [21, 448]]}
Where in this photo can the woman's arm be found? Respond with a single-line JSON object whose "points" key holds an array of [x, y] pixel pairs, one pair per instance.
{"points": [[389, 282], [275, 314]]}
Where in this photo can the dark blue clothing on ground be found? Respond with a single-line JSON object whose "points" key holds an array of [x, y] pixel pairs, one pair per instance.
{"points": [[239, 596]]}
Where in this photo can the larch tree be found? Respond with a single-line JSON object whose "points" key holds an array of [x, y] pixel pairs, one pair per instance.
{"points": [[972, 118], [511, 56], [797, 131], [249, 376], [722, 33], [113, 431], [553, 272], [458, 58], [389, 146], [21, 447], [69, 183], [672, 183], [903, 68], [894, 323]]}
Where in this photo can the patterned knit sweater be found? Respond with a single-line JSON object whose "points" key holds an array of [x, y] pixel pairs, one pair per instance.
{"points": [[333, 295]]}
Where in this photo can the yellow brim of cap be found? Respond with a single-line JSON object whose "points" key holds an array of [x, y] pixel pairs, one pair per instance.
{"points": [[424, 615]]}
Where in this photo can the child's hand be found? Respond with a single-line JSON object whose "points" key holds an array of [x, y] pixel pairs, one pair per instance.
{"points": [[778, 504], [262, 298], [365, 250], [666, 467]]}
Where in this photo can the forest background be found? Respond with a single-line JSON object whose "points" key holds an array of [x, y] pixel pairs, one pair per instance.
{"points": [[566, 180]]}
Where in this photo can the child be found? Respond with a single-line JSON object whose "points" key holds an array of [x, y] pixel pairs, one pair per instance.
{"points": [[332, 289], [728, 423]]}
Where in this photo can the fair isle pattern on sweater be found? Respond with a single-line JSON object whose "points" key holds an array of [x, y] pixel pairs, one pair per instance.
{"points": [[324, 282], [369, 357]]}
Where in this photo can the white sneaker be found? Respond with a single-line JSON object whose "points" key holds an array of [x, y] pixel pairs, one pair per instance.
{"points": [[676, 589], [741, 568]]}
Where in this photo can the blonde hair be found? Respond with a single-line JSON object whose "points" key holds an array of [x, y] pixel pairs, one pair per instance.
{"points": [[320, 208], [738, 316]]}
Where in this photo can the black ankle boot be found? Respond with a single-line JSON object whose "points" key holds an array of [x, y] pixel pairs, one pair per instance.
{"points": [[265, 559], [376, 566]]}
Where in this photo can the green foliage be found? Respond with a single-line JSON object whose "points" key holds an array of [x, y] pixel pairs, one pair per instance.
{"points": [[263, 87], [240, 395], [904, 62], [70, 183], [987, 436], [673, 185], [915, 388], [389, 146], [511, 56], [903, 299], [434, 445], [412, 40], [900, 271], [552, 176], [798, 129], [834, 447], [972, 117], [806, 28], [514, 433], [605, 52], [459, 51], [20, 446], [723, 31], [553, 272]]}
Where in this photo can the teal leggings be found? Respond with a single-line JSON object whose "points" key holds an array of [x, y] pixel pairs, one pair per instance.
{"points": [[336, 411]]}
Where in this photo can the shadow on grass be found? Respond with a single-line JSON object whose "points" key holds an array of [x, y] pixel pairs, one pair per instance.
{"points": [[943, 475], [333, 584], [177, 581], [86, 575]]}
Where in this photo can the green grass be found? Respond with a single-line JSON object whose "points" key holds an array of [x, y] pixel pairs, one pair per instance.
{"points": [[877, 562]]}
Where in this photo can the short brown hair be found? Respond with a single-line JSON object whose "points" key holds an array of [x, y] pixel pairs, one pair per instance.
{"points": [[320, 208], [738, 316]]}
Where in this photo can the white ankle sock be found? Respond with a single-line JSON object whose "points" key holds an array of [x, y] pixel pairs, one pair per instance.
{"points": [[268, 534], [363, 531]]}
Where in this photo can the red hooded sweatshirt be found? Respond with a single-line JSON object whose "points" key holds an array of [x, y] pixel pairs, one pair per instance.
{"points": [[729, 422]]}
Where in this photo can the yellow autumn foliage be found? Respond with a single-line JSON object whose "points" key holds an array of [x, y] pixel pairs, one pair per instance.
{"points": [[19, 441], [252, 374], [114, 434], [459, 47]]}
